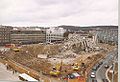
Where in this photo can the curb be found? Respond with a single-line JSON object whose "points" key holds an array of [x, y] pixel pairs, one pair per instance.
{"points": [[107, 74]]}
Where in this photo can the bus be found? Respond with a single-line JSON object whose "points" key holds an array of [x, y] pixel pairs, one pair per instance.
{"points": [[26, 77]]}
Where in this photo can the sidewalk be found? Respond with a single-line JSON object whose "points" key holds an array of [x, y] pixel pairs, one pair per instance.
{"points": [[7, 75]]}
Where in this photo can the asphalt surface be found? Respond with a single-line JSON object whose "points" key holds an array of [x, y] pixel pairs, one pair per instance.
{"points": [[7, 75], [101, 71]]}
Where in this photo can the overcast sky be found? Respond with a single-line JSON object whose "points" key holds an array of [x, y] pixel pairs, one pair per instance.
{"points": [[58, 12]]}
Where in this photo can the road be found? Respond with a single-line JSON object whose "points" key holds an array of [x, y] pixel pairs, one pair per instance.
{"points": [[6, 75], [101, 71]]}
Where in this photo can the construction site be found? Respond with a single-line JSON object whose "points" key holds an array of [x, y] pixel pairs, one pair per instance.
{"points": [[53, 61]]}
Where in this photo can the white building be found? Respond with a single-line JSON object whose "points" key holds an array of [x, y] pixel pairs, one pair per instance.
{"points": [[54, 34]]}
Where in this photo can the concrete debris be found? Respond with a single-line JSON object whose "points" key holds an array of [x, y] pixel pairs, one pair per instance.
{"points": [[42, 56]]}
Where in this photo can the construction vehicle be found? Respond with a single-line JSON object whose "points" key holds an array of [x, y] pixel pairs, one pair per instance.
{"points": [[16, 49], [76, 67], [26, 77], [13, 47], [56, 70]]}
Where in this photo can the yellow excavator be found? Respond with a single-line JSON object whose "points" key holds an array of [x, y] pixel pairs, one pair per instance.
{"points": [[76, 67], [14, 48], [56, 70]]}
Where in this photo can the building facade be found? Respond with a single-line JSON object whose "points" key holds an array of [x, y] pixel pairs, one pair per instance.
{"points": [[54, 34], [30, 35], [108, 35], [5, 34], [25, 36]]}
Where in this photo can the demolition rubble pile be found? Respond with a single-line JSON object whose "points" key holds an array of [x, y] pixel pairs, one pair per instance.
{"points": [[76, 41], [73, 47]]}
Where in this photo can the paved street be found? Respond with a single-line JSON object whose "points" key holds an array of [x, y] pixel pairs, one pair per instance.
{"points": [[6, 75], [101, 72]]}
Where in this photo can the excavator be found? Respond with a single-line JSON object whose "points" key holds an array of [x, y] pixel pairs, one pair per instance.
{"points": [[14, 48], [56, 70], [76, 67]]}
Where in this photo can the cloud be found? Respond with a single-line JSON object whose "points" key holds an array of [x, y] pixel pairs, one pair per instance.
{"points": [[58, 12]]}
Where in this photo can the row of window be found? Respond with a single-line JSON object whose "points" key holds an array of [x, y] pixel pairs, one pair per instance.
{"points": [[27, 32], [54, 35]]}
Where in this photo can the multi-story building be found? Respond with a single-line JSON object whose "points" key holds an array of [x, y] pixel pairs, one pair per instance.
{"points": [[54, 34], [28, 35], [108, 35], [5, 34]]}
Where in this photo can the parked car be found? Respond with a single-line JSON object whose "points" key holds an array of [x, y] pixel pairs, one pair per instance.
{"points": [[69, 76], [93, 80], [106, 66], [97, 65], [105, 80], [94, 68], [76, 74], [100, 63], [92, 75], [72, 76]]}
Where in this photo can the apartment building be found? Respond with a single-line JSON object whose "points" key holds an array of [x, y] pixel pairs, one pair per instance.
{"points": [[108, 35], [5, 36], [54, 34]]}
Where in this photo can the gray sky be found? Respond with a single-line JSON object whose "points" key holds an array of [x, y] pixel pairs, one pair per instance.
{"points": [[58, 12]]}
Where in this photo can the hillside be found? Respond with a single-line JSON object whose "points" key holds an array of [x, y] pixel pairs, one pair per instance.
{"points": [[76, 28]]}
